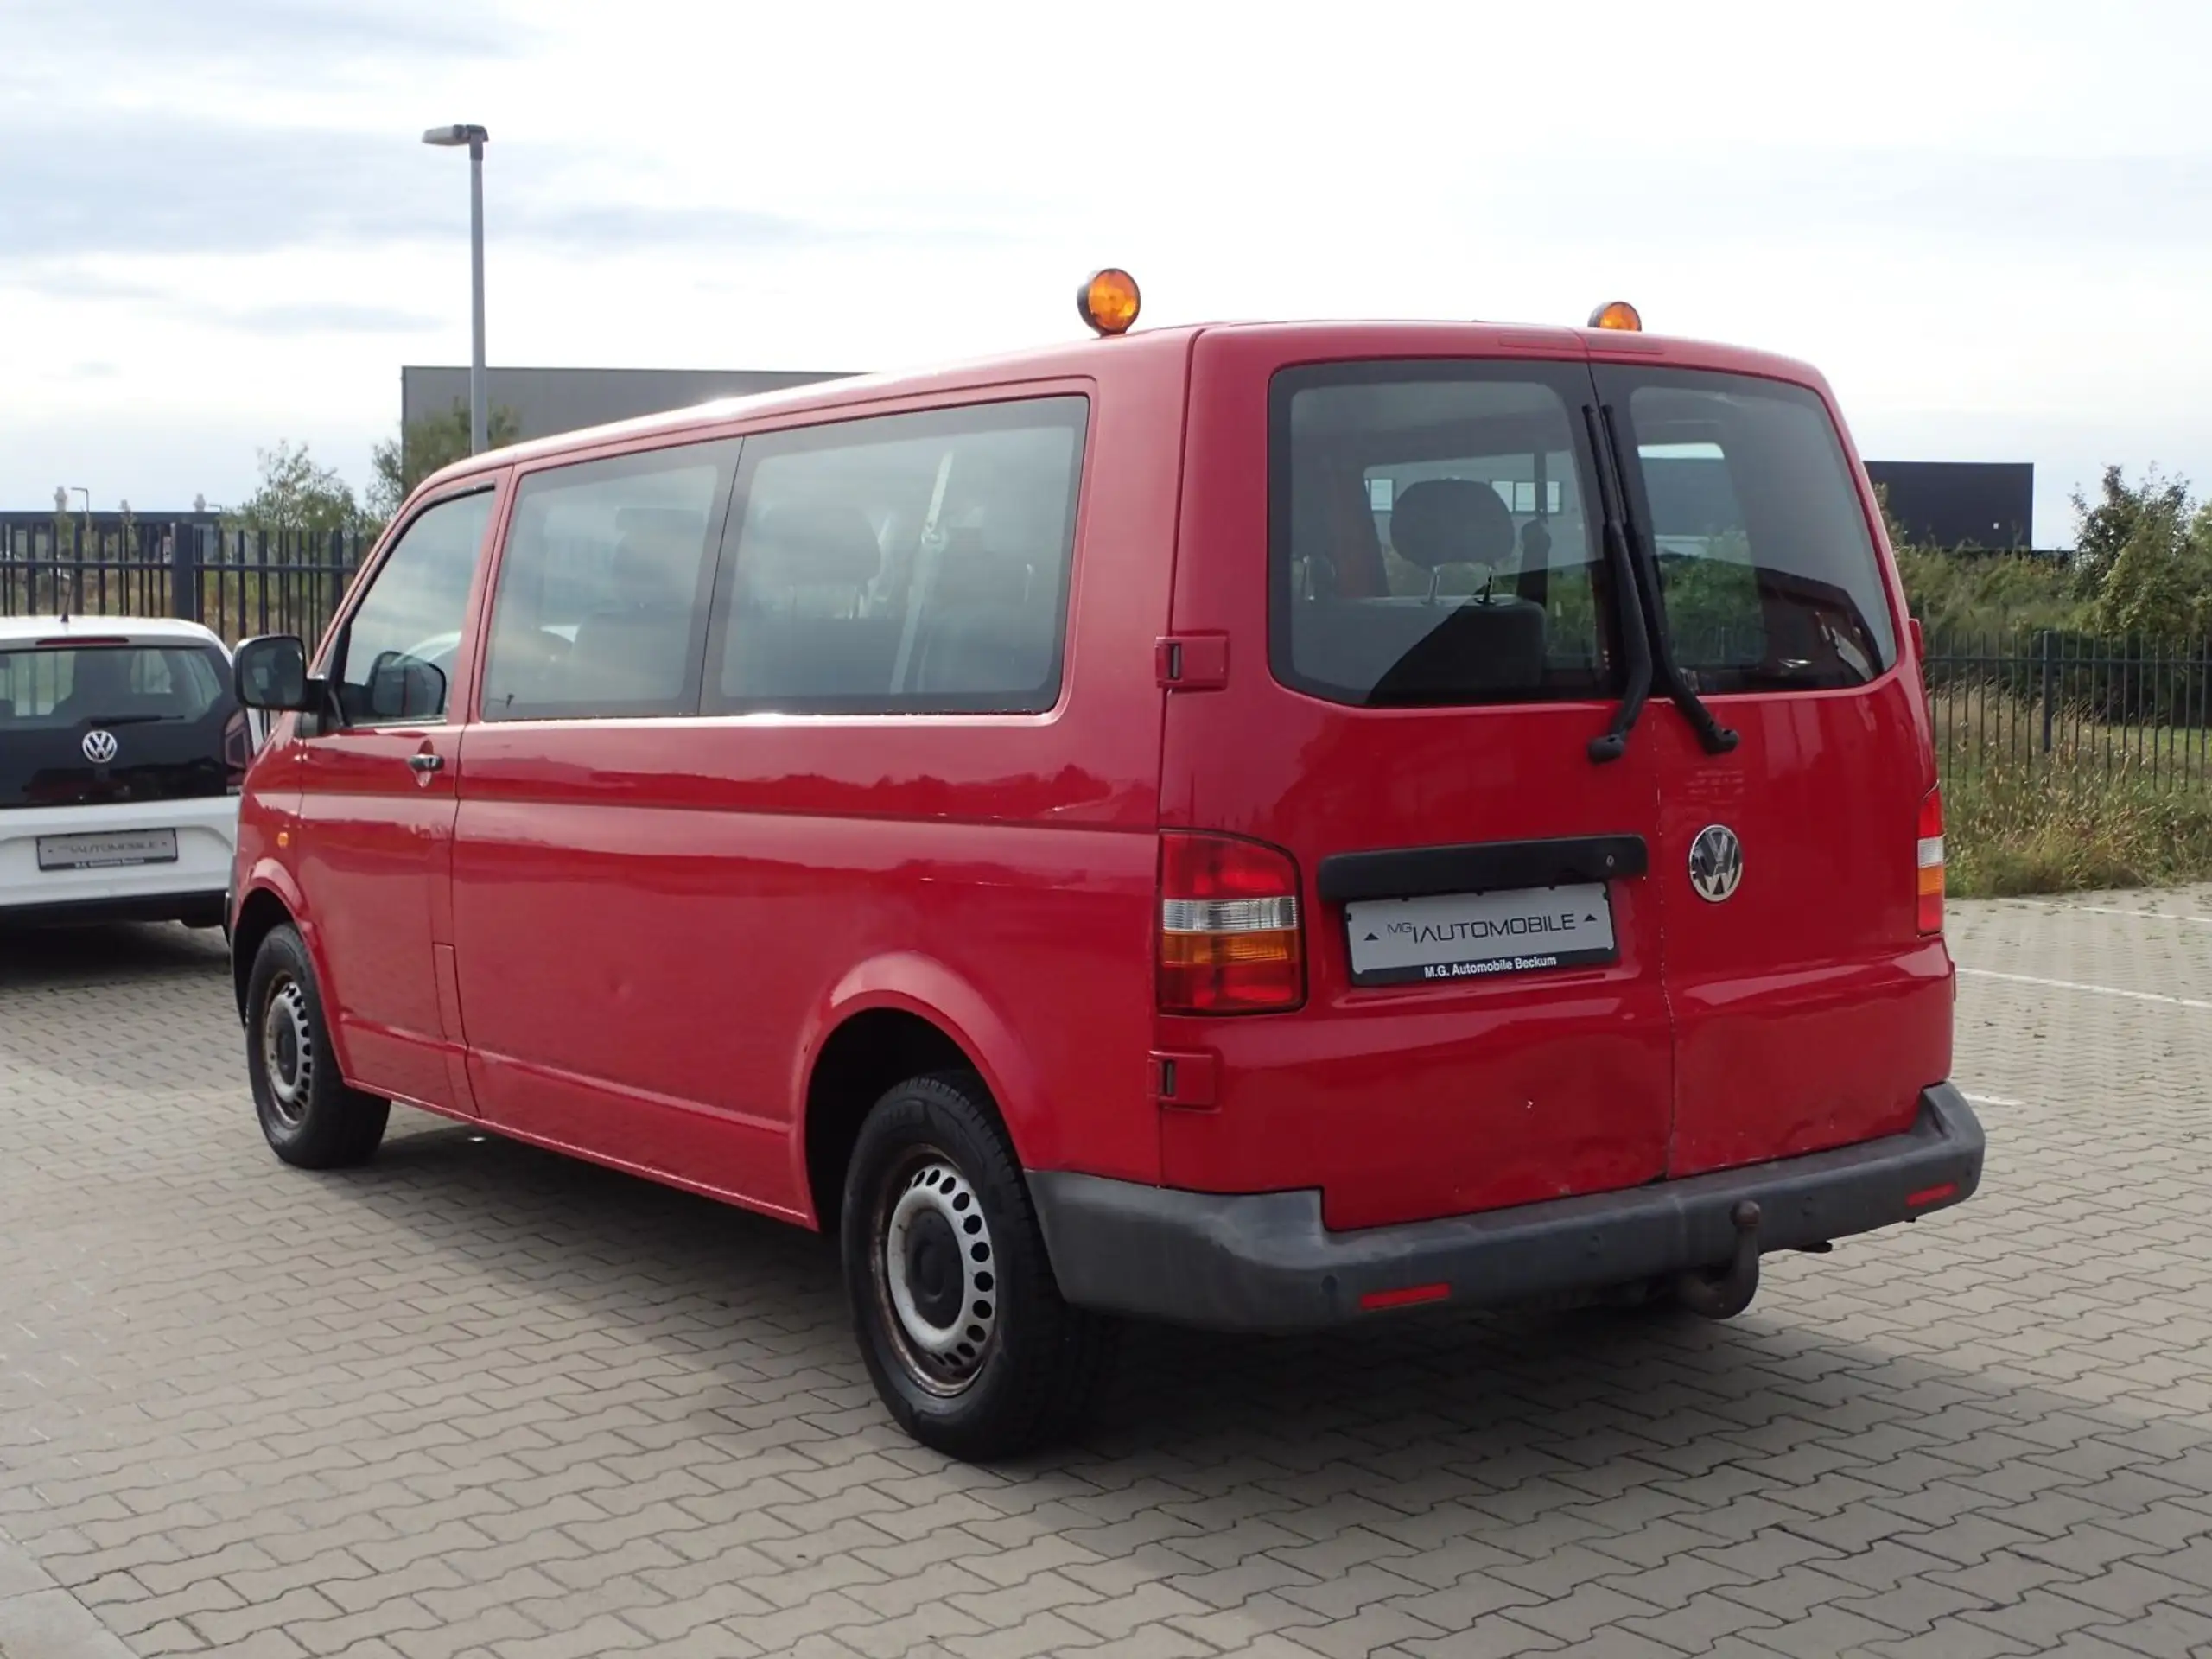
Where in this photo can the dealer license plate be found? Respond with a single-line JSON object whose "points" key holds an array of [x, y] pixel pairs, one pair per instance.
{"points": [[1470, 936], [107, 851]]}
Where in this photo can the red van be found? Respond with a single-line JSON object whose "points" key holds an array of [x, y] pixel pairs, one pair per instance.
{"points": [[1255, 826]]}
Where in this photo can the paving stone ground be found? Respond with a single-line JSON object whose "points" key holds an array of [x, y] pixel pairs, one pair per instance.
{"points": [[478, 1399]]}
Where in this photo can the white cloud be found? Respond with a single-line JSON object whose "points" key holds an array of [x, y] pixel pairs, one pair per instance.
{"points": [[1987, 223]]}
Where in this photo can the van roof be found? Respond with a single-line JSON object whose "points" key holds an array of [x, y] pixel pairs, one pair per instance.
{"points": [[1091, 357]]}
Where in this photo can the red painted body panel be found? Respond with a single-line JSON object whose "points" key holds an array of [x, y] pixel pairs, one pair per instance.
{"points": [[1809, 1011], [373, 856], [641, 934]]}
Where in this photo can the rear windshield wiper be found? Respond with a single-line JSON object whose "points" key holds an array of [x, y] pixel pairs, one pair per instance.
{"points": [[1613, 742], [1712, 735]]}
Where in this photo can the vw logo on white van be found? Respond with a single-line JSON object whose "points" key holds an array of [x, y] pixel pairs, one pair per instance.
{"points": [[1716, 862], [100, 747]]}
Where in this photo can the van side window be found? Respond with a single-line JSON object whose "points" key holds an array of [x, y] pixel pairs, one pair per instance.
{"points": [[394, 662], [902, 565], [1430, 541], [600, 608]]}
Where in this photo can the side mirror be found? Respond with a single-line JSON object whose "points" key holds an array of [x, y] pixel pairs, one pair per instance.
{"points": [[271, 672], [405, 688]]}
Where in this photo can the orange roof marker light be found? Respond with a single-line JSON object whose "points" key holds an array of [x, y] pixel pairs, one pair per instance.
{"points": [[1108, 301], [1617, 313]]}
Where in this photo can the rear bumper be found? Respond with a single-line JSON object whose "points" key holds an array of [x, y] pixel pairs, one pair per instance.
{"points": [[1264, 1262], [190, 887]]}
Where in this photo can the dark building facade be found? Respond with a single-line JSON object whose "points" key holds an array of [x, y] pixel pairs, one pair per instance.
{"points": [[1959, 504]]}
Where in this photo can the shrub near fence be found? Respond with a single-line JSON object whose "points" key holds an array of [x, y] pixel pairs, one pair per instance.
{"points": [[2070, 762], [239, 583]]}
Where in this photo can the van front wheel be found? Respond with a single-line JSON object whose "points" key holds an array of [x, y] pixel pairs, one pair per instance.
{"points": [[309, 1117], [953, 1300]]}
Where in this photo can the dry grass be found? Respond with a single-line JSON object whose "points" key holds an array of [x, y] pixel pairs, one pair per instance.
{"points": [[2098, 811]]}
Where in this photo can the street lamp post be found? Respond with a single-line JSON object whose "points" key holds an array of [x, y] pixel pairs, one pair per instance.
{"points": [[474, 139]]}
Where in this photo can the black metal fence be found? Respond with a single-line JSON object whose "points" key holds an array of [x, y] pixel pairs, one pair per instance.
{"points": [[2132, 710], [239, 583]]}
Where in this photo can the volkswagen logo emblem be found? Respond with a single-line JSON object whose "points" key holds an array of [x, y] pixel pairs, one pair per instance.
{"points": [[1716, 862], [100, 747]]}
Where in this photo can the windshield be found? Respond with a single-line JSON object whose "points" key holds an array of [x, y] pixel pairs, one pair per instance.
{"points": [[58, 687], [1431, 540], [1767, 571]]}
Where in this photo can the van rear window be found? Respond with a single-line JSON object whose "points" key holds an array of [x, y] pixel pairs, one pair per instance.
{"points": [[1767, 568], [1435, 537], [1432, 541]]}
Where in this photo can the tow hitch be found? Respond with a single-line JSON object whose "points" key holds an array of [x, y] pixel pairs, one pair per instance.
{"points": [[1724, 1294]]}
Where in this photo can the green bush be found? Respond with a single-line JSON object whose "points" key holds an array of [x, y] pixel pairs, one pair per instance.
{"points": [[1958, 595]]}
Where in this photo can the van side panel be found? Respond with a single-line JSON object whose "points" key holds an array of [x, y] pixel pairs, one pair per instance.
{"points": [[717, 880], [717, 884]]}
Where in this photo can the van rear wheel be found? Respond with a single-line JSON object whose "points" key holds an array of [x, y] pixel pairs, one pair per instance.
{"points": [[309, 1117], [958, 1317]]}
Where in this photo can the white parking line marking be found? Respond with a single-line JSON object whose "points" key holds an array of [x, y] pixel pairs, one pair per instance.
{"points": [[1994, 1100], [2141, 915], [2093, 990]]}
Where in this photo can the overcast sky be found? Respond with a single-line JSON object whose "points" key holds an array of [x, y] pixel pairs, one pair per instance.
{"points": [[1990, 225]]}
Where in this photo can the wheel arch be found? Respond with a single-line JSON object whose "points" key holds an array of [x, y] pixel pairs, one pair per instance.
{"points": [[893, 1019], [270, 903]]}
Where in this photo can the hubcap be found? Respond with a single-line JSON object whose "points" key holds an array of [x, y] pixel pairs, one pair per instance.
{"points": [[287, 1050], [935, 1274]]}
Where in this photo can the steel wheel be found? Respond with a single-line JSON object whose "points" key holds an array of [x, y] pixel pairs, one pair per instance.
{"points": [[935, 1277], [287, 1050]]}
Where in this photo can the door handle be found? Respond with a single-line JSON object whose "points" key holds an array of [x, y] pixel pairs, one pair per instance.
{"points": [[427, 762]]}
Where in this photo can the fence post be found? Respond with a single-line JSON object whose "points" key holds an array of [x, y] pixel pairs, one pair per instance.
{"points": [[2049, 682], [184, 572]]}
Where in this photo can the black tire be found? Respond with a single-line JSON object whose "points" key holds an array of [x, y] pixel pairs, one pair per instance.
{"points": [[1020, 1366], [310, 1117]]}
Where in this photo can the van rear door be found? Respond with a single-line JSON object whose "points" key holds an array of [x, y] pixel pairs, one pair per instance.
{"points": [[1396, 564], [1810, 1008]]}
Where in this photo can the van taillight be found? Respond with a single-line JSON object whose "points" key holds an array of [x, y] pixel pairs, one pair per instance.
{"points": [[238, 750], [1228, 932], [1930, 895]]}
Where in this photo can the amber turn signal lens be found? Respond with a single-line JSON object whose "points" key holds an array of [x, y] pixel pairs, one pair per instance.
{"points": [[1108, 301], [1617, 314]]}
